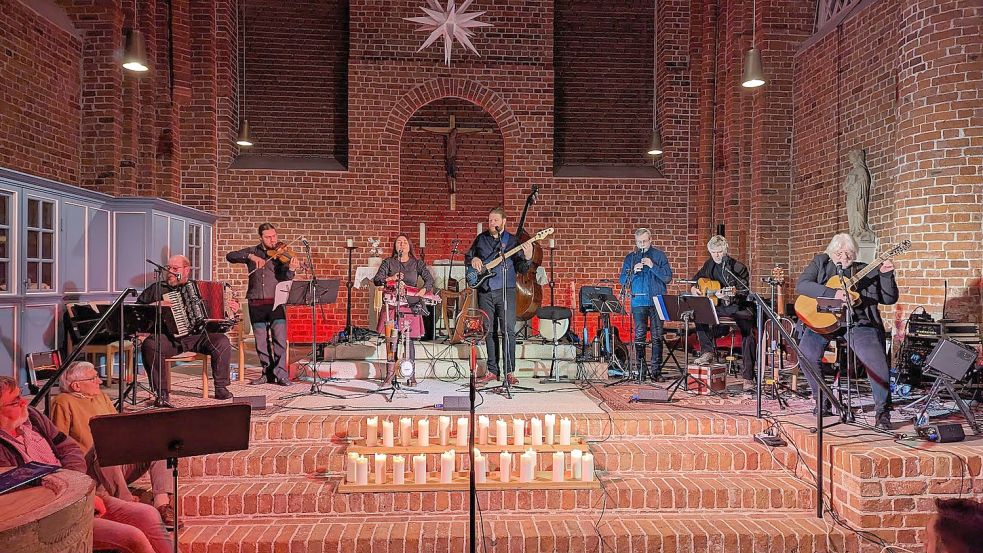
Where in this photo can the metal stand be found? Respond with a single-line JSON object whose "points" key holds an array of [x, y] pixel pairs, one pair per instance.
{"points": [[505, 388], [349, 285], [391, 382]]}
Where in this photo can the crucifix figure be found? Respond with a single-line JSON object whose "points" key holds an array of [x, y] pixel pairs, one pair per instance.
{"points": [[450, 133]]}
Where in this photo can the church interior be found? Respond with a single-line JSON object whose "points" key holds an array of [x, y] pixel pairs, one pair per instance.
{"points": [[491, 275]]}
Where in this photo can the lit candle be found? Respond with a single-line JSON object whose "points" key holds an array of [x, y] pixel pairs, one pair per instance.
{"points": [[419, 469], [479, 228], [447, 466], [552, 244], [352, 467], [550, 422], [423, 235], [482, 430], [372, 432], [480, 467], [362, 471], [519, 430], [405, 434], [564, 431], [443, 429], [587, 469], [501, 433], [380, 468], [558, 466], [575, 464], [399, 470], [536, 431], [462, 431], [350, 243], [504, 465], [387, 433], [423, 433]]}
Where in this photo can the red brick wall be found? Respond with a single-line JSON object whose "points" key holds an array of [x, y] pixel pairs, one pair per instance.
{"points": [[39, 95]]}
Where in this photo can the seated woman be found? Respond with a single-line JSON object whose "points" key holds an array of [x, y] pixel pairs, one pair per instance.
{"points": [[403, 268]]}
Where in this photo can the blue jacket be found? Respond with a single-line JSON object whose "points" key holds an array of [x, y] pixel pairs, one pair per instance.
{"points": [[486, 248], [650, 281]]}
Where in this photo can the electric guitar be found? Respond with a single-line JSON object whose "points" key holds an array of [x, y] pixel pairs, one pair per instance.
{"points": [[824, 323], [476, 278]]}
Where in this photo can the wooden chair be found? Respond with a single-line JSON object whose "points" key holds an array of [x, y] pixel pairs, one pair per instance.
{"points": [[448, 297], [89, 311], [190, 357]]}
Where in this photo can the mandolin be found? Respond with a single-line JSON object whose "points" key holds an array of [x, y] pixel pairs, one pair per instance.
{"points": [[824, 323]]}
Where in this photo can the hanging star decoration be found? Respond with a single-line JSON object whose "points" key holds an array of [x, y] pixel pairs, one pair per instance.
{"points": [[450, 22]]}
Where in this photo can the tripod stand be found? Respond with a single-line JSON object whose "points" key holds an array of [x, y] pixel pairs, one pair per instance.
{"points": [[688, 309]]}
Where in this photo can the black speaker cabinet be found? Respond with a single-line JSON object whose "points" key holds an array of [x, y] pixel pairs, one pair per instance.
{"points": [[951, 358], [943, 433]]}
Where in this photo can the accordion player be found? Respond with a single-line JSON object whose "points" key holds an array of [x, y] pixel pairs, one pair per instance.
{"points": [[194, 320]]}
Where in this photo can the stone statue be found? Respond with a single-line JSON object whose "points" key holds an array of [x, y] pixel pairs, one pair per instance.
{"points": [[857, 187]]}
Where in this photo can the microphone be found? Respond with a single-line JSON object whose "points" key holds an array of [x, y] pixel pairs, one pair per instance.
{"points": [[839, 268], [304, 241]]}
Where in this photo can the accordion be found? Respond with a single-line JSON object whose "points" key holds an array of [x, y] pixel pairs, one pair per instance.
{"points": [[196, 307]]}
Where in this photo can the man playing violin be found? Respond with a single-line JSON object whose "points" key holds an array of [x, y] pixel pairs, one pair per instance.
{"points": [[403, 267], [730, 273], [269, 263]]}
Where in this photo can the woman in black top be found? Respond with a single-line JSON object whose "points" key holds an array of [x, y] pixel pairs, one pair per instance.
{"points": [[404, 267]]}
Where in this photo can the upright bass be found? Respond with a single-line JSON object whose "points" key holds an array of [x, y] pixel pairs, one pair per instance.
{"points": [[528, 292]]}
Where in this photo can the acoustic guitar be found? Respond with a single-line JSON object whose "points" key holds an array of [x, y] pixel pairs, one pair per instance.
{"points": [[824, 323], [715, 291]]}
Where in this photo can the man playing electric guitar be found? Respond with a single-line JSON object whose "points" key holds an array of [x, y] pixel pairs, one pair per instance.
{"points": [[867, 334], [723, 269], [500, 309]]}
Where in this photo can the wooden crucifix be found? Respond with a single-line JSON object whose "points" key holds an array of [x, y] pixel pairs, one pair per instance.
{"points": [[450, 133]]}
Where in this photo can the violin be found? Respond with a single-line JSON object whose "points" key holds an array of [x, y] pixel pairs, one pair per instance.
{"points": [[281, 252]]}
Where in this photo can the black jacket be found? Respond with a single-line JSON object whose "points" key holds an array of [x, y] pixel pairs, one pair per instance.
{"points": [[712, 270], [875, 289]]}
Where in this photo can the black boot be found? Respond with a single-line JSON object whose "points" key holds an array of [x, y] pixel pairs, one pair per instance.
{"points": [[883, 420], [221, 392]]}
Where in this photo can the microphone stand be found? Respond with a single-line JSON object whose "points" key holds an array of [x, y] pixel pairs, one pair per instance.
{"points": [[160, 271], [846, 414]]}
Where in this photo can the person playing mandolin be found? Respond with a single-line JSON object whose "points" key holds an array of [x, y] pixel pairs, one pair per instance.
{"points": [[403, 266], [269, 263], [500, 309], [719, 272], [646, 271], [867, 335]]}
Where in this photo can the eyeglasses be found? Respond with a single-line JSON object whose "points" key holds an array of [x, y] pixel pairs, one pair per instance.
{"points": [[15, 403], [175, 268], [90, 379]]}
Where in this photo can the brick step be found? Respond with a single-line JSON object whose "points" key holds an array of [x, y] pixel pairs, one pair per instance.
{"points": [[670, 421], [621, 531], [651, 491], [656, 454]]}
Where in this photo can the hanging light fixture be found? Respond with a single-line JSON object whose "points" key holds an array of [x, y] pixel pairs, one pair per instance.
{"points": [[655, 141], [242, 136], [753, 75], [134, 49]]}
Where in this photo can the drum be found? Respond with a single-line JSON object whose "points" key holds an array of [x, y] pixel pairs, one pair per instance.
{"points": [[554, 322]]}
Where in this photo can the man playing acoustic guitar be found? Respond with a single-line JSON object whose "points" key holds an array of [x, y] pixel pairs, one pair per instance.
{"points": [[867, 334]]}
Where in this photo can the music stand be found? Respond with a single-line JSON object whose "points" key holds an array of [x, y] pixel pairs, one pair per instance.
{"points": [[695, 309], [313, 293], [169, 435], [138, 318]]}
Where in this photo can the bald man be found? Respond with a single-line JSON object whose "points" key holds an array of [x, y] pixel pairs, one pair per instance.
{"points": [[214, 344]]}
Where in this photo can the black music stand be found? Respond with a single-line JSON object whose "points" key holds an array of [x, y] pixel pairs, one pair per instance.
{"points": [[169, 435], [138, 318], [695, 309], [313, 293]]}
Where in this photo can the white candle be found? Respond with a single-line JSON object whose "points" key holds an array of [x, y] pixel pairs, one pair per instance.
{"points": [[480, 468], [380, 468], [527, 466], [479, 228], [423, 432], [587, 468], [519, 430], [420, 469], [536, 431], [399, 470], [482, 430], [387, 433], [447, 466], [504, 465], [405, 432], [501, 432], [352, 467], [558, 466], [575, 464], [564, 431], [372, 432], [362, 471], [550, 422], [443, 429], [462, 431], [552, 244], [423, 235], [350, 243]]}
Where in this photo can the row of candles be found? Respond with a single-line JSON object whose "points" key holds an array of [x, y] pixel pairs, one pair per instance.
{"points": [[423, 237], [581, 467], [541, 431]]}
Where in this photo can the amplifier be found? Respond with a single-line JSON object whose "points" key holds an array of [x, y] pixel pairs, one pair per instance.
{"points": [[942, 433], [951, 358]]}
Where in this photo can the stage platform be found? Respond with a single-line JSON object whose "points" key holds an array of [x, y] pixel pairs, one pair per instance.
{"points": [[680, 477]]}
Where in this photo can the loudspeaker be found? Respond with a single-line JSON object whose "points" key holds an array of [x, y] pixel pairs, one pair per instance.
{"points": [[659, 395], [943, 433], [456, 403], [255, 402], [951, 358]]}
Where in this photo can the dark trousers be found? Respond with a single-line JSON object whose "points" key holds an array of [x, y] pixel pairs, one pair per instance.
{"points": [[270, 325], [647, 319], [498, 312], [868, 343], [744, 318], [214, 344]]}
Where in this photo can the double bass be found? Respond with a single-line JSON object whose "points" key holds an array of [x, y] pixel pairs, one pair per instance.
{"points": [[528, 292]]}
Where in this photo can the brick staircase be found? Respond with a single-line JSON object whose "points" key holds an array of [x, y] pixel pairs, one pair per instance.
{"points": [[672, 481]]}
